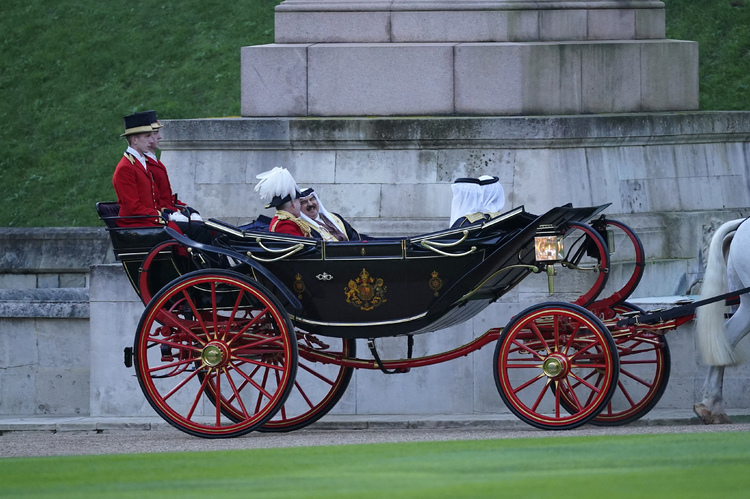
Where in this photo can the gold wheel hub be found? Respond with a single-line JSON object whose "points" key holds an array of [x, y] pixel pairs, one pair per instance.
{"points": [[215, 354], [556, 366]]}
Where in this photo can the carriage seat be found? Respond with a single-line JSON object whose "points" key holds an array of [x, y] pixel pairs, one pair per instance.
{"points": [[108, 212], [134, 242]]}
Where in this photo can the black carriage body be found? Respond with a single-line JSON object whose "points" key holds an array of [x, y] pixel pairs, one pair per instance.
{"points": [[390, 287]]}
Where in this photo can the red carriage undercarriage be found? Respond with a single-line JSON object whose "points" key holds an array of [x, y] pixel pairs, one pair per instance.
{"points": [[257, 331]]}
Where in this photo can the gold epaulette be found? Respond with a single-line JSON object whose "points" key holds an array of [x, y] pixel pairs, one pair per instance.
{"points": [[284, 215], [130, 158]]}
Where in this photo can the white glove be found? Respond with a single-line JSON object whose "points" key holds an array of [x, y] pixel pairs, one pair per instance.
{"points": [[195, 217], [177, 217]]}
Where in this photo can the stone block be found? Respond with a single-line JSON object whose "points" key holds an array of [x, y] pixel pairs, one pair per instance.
{"points": [[332, 27], [62, 392], [650, 23], [409, 166], [611, 24], [114, 391], [565, 166], [274, 80], [73, 280], [464, 26], [109, 283], [669, 75], [523, 78], [416, 201], [457, 163], [18, 391], [383, 79], [18, 343], [610, 77], [219, 167], [47, 280], [63, 344], [352, 200], [17, 281], [229, 200], [306, 166], [563, 24], [489, 78]]}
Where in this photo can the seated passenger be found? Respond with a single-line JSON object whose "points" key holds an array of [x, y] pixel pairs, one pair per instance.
{"points": [[278, 186], [324, 224], [493, 195], [466, 207], [476, 199]]}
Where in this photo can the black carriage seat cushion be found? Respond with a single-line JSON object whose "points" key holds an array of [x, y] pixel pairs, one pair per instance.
{"points": [[109, 212]]}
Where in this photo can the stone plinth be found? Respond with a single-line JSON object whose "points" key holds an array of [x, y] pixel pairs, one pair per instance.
{"points": [[522, 78], [494, 57], [398, 21]]}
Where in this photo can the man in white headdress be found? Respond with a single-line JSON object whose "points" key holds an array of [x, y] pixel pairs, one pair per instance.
{"points": [[278, 186], [476, 199], [324, 224], [493, 195], [467, 204]]}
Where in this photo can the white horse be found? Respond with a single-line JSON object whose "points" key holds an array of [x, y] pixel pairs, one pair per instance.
{"points": [[728, 268]]}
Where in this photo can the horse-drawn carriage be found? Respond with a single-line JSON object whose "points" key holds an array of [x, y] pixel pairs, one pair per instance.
{"points": [[258, 330]]}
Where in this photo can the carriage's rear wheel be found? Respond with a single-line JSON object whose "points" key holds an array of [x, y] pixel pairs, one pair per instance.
{"points": [[219, 329], [543, 360]]}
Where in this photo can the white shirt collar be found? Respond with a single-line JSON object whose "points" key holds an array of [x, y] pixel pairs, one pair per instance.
{"points": [[137, 155]]}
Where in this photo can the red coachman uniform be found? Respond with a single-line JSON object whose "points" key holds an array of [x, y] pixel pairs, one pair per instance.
{"points": [[164, 196], [136, 193]]}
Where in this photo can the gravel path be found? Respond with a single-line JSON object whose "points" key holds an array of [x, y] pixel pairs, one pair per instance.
{"points": [[129, 441]]}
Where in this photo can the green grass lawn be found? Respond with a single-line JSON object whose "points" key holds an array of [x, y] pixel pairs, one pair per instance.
{"points": [[70, 69], [663, 466]]}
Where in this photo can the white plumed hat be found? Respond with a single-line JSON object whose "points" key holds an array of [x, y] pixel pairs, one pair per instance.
{"points": [[277, 186]]}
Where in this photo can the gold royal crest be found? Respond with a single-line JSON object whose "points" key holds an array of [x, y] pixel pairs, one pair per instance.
{"points": [[365, 291]]}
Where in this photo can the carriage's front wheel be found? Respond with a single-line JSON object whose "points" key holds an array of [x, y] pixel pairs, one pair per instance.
{"points": [[217, 329], [543, 360], [645, 365]]}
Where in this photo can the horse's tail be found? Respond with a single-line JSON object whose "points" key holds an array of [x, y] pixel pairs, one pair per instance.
{"points": [[710, 324]]}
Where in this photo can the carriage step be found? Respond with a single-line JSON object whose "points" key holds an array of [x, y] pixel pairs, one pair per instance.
{"points": [[128, 356]]}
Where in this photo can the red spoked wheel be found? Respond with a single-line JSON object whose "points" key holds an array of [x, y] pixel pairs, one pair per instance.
{"points": [[587, 254], [645, 365], [317, 387], [217, 329], [543, 360]]}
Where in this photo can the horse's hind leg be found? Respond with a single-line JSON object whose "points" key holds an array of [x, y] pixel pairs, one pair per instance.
{"points": [[711, 408]]}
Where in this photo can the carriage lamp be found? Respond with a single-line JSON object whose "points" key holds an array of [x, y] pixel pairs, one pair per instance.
{"points": [[548, 246]]}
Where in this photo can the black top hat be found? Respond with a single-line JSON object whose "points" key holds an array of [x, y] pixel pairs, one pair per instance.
{"points": [[154, 122], [139, 123]]}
